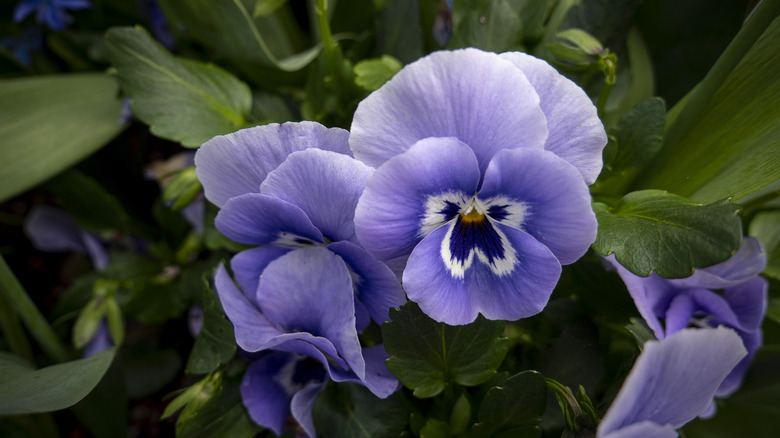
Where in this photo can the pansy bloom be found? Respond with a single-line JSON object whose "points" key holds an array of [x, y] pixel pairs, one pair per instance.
{"points": [[671, 383], [483, 163], [307, 288], [669, 306]]}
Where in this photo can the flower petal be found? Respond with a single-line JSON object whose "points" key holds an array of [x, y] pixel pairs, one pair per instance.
{"points": [[234, 164], [474, 96], [249, 264], [252, 329], [325, 185], [310, 290], [376, 286], [746, 263], [556, 200], [405, 198], [455, 295], [733, 381], [379, 379], [576, 133], [674, 380], [257, 219], [303, 404], [748, 300], [265, 398], [52, 229], [645, 429]]}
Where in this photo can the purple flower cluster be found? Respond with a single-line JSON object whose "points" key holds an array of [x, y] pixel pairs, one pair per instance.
{"points": [[50, 12], [307, 289]]}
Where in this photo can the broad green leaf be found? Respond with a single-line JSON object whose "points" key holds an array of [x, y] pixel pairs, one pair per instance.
{"points": [[24, 390], [266, 7], [373, 73], [636, 139], [655, 231], [349, 410], [180, 99], [427, 355], [435, 428], [216, 342], [765, 226], [732, 148], [49, 123], [228, 26], [518, 403], [92, 206]]}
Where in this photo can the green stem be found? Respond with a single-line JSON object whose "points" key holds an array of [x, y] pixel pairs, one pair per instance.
{"points": [[329, 46], [13, 333], [556, 18], [36, 324], [762, 17]]}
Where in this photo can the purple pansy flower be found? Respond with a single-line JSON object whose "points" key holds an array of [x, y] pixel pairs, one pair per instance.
{"points": [[671, 383], [307, 289], [483, 163], [23, 46], [50, 12], [289, 187], [304, 306], [669, 306]]}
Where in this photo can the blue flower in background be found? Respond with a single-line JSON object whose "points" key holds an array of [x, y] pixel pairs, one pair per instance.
{"points": [[483, 163], [669, 306], [50, 12], [23, 46], [671, 383]]}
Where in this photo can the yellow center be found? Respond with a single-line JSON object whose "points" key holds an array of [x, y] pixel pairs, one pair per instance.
{"points": [[472, 216]]}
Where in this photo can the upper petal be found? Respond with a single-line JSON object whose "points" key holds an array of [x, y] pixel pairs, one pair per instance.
{"points": [[257, 219], [576, 133], [405, 198], [474, 96], [556, 201], [644, 429], [748, 300], [236, 163], [249, 264], [673, 380], [325, 185], [310, 290]]}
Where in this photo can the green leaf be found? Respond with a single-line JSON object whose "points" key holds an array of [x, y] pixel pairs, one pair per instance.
{"points": [[641, 332], [266, 7], [731, 149], [42, 124], [216, 342], [427, 355], [262, 44], [373, 73], [518, 403], [635, 140], [435, 429], [765, 226], [349, 410], [655, 231], [24, 390], [88, 322], [93, 207], [494, 25], [180, 99]]}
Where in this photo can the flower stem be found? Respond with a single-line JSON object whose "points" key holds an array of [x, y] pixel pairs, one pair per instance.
{"points": [[37, 325], [764, 14], [322, 19]]}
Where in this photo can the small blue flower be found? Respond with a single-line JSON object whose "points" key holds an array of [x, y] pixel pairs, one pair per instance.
{"points": [[671, 383], [50, 12], [23, 46], [483, 163], [669, 306]]}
